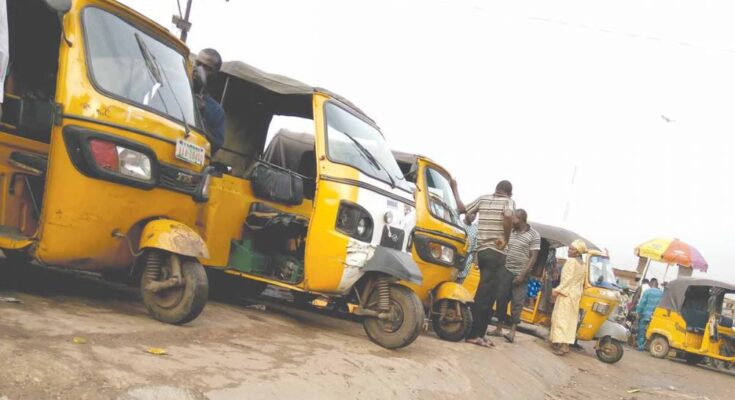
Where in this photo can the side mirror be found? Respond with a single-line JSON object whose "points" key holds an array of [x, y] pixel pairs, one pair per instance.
{"points": [[59, 6]]}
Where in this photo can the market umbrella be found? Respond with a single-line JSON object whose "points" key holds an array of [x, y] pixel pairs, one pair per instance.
{"points": [[672, 251]]}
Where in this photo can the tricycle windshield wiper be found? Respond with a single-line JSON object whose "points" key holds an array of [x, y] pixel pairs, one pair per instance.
{"points": [[365, 152], [159, 75]]}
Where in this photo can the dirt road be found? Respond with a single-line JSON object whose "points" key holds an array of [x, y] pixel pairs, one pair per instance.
{"points": [[237, 351]]}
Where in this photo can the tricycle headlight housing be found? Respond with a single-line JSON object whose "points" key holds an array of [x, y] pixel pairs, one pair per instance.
{"points": [[134, 164], [602, 308], [354, 221], [441, 253]]}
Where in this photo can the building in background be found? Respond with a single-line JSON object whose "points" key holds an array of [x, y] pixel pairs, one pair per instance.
{"points": [[626, 278]]}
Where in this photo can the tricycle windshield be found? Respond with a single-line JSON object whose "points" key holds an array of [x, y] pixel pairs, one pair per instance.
{"points": [[441, 197], [354, 142], [135, 67], [601, 272]]}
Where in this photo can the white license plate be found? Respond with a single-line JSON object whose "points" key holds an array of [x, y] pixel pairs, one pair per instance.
{"points": [[190, 152]]}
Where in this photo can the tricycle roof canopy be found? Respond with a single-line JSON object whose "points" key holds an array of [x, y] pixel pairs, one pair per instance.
{"points": [[560, 237], [279, 84], [676, 290]]}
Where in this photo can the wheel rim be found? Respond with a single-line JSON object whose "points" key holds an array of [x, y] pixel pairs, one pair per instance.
{"points": [[609, 349], [657, 347], [396, 318], [451, 322], [171, 297]]}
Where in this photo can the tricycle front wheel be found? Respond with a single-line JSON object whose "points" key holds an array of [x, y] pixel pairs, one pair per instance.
{"points": [[609, 350], [453, 322], [168, 298], [405, 323]]}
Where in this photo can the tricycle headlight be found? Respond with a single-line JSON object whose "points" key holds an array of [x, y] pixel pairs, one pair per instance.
{"points": [[442, 253], [602, 308], [134, 164], [354, 221], [447, 254]]}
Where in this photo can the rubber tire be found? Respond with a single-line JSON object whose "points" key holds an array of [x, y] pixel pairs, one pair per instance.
{"points": [[615, 356], [413, 320], [455, 335], [693, 359], [191, 304], [659, 347]]}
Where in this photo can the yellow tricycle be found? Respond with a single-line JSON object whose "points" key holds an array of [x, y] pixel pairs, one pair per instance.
{"points": [[689, 319], [102, 157], [439, 248], [329, 221], [600, 298]]}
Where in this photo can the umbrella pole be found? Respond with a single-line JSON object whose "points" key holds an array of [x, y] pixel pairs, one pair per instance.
{"points": [[666, 273], [645, 270]]}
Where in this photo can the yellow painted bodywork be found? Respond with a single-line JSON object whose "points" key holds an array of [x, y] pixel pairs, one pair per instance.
{"points": [[435, 275], [453, 291], [673, 327], [326, 249], [173, 236], [592, 320], [80, 213]]}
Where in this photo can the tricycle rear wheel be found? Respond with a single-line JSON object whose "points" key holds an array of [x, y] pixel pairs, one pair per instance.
{"points": [[179, 304], [451, 326], [406, 323], [609, 350]]}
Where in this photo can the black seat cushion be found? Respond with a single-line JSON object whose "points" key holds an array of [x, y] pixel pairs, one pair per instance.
{"points": [[276, 184]]}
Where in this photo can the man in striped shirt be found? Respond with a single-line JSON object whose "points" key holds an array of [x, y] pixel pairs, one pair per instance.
{"points": [[494, 212], [523, 248]]}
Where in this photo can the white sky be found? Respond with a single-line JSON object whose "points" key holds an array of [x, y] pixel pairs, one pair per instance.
{"points": [[527, 91]]}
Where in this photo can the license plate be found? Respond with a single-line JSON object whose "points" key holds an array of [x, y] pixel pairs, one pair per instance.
{"points": [[190, 152]]}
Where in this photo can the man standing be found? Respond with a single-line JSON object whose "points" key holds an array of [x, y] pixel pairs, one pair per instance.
{"points": [[214, 115], [523, 248], [646, 307], [495, 213]]}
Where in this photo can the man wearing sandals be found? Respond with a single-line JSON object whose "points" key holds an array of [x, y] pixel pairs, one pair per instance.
{"points": [[523, 248], [495, 213]]}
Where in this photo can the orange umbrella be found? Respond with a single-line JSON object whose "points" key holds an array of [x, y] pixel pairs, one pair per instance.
{"points": [[672, 251]]}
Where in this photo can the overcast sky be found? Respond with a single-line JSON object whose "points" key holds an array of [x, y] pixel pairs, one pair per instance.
{"points": [[636, 96]]}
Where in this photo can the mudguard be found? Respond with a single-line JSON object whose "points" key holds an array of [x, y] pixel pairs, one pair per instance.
{"points": [[453, 291], [174, 237], [614, 330], [394, 263]]}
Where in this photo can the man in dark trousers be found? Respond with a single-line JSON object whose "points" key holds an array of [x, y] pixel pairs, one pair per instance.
{"points": [[523, 248], [494, 213], [212, 112]]}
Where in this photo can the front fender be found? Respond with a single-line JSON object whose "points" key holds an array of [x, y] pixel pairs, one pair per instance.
{"points": [[394, 263], [453, 291], [174, 237], [614, 330]]}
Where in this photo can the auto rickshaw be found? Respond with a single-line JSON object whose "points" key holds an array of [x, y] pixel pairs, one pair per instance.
{"points": [[439, 248], [102, 157], [331, 221], [600, 298], [689, 319]]}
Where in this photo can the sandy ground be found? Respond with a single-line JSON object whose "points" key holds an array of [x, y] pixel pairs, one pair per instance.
{"points": [[244, 350]]}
